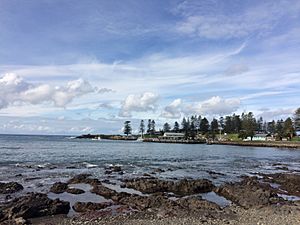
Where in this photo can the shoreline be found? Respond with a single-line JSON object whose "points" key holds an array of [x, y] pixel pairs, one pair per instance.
{"points": [[159, 201], [291, 145]]}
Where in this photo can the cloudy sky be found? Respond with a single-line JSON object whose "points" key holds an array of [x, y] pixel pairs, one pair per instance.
{"points": [[69, 67]]}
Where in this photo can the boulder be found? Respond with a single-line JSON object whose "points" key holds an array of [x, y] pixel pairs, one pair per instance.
{"points": [[59, 187], [103, 191], [90, 206], [31, 206], [289, 182], [182, 187], [75, 191], [10, 187], [84, 178], [249, 193]]}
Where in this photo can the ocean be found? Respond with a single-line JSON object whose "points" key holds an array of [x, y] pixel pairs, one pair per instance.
{"points": [[38, 161]]}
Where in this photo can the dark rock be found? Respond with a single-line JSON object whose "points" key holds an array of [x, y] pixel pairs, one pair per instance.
{"points": [[210, 172], [196, 203], [59, 187], [31, 206], [182, 187], [108, 172], [9, 188], [90, 206], [84, 178], [158, 170], [103, 191], [248, 193], [188, 187], [75, 191], [288, 182]]}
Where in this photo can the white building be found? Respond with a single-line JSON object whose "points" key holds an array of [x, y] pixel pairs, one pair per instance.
{"points": [[173, 136]]}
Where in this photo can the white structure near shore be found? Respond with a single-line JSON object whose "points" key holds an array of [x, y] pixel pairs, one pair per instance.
{"points": [[172, 136]]}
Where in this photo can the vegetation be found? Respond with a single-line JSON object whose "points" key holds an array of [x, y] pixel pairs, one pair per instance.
{"points": [[233, 127], [127, 128]]}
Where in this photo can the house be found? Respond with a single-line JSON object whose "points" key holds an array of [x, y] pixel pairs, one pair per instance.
{"points": [[172, 136], [261, 137]]}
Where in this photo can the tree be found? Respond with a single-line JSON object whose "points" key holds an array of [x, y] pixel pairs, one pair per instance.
{"points": [[279, 129], [221, 121], [166, 127], [127, 128], [204, 125], [288, 128], [152, 130], [176, 127], [272, 127], [260, 123], [149, 127], [297, 119], [236, 123], [142, 127], [228, 125], [214, 127], [185, 126], [248, 124]]}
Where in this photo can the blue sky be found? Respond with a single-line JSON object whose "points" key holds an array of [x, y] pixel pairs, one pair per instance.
{"points": [[87, 66]]}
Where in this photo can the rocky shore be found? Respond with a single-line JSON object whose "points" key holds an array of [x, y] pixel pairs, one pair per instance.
{"points": [[270, 144], [261, 199]]}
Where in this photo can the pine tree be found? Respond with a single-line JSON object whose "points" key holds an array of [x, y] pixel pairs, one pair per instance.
{"points": [[127, 128], [288, 128], [204, 125], [142, 127], [176, 128], [166, 127], [297, 119]]}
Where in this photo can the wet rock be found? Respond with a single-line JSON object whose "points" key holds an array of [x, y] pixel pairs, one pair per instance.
{"points": [[210, 172], [31, 206], [288, 182], [248, 193], [196, 203], [158, 170], [145, 202], [59, 187], [84, 178], [90, 206], [9, 188], [103, 191], [182, 187], [75, 191], [188, 187]]}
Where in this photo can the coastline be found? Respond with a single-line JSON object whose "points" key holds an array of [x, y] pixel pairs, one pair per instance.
{"points": [[277, 144], [253, 200]]}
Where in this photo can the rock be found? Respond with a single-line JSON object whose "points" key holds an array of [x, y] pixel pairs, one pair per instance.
{"points": [[31, 206], [249, 193], [84, 178], [10, 187], [20, 221], [288, 182], [196, 203], [75, 191], [59, 187], [182, 187], [103, 191], [158, 170], [90, 206], [188, 187], [116, 168]]}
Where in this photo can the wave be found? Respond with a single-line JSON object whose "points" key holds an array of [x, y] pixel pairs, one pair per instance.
{"points": [[10, 148]]}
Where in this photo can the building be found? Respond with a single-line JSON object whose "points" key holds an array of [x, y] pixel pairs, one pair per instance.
{"points": [[261, 137], [172, 136]]}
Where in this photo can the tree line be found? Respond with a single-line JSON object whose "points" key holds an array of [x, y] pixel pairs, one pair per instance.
{"points": [[245, 125]]}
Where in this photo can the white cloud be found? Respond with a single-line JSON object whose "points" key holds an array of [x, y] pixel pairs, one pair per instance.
{"points": [[215, 106], [258, 20], [173, 110], [276, 114], [14, 89], [139, 103]]}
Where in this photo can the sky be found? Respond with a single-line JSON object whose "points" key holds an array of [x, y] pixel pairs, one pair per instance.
{"points": [[71, 67]]}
